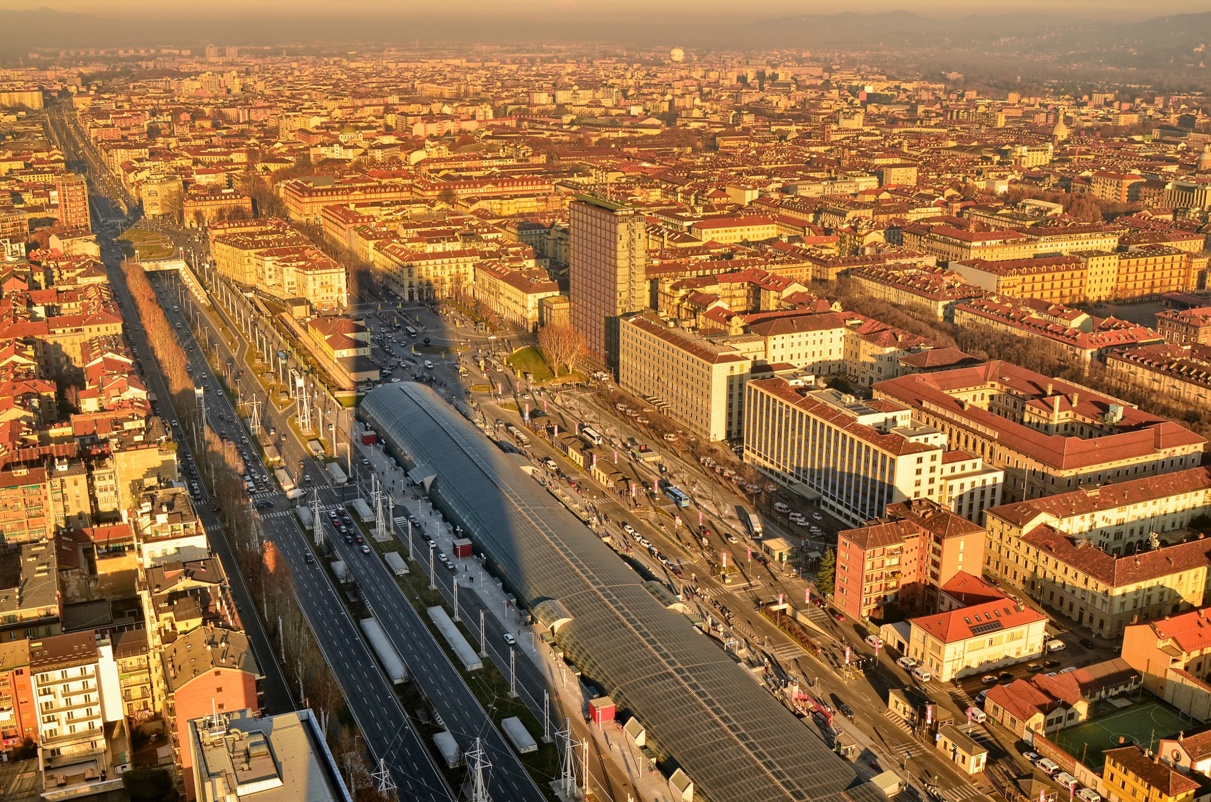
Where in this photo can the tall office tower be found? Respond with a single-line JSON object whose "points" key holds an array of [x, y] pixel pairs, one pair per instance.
{"points": [[73, 201], [607, 274]]}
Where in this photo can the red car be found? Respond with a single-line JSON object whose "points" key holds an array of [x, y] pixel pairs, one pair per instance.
{"points": [[839, 617]]}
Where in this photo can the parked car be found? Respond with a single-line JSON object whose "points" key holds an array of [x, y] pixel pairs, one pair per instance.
{"points": [[1065, 779], [1048, 767], [1033, 757], [989, 679], [874, 641], [906, 663], [922, 674], [1089, 795]]}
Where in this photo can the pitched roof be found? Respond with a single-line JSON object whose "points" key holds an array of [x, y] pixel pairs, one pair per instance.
{"points": [[980, 619]]}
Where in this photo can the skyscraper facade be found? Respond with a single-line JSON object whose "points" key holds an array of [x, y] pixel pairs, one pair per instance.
{"points": [[607, 271], [73, 201]]}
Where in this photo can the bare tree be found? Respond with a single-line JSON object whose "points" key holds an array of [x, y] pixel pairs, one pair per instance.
{"points": [[561, 345]]}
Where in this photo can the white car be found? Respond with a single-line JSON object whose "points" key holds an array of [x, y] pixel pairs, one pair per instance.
{"points": [[906, 663], [1089, 795], [509, 639], [1065, 779], [874, 641], [922, 674], [1048, 767]]}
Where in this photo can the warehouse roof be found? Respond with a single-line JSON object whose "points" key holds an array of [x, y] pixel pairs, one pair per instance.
{"points": [[732, 737]]}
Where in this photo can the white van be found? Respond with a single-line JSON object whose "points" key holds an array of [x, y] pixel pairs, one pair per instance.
{"points": [[977, 715], [1056, 646], [781, 507], [429, 364]]}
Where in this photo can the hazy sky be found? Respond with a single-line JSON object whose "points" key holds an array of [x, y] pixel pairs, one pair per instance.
{"points": [[591, 9]]}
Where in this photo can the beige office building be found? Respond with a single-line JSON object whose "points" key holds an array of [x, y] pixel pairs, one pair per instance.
{"points": [[700, 379], [857, 456], [606, 276]]}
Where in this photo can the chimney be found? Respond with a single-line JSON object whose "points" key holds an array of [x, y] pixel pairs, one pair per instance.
{"points": [[1076, 397], [1050, 388]]}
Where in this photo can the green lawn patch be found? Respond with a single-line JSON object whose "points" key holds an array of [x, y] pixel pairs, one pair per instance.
{"points": [[530, 360]]}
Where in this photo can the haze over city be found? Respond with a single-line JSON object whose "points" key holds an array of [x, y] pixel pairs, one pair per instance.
{"points": [[569, 401]]}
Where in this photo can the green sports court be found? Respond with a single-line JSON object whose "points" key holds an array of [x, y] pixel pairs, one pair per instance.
{"points": [[1144, 724]]}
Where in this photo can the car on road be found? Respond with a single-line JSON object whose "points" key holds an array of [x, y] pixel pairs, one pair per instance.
{"points": [[874, 641], [922, 674], [1005, 677], [1033, 757], [846, 710], [307, 558], [626, 527], [509, 639], [907, 663], [1068, 670], [550, 463], [1086, 643], [265, 504], [1089, 795], [989, 679], [1034, 667], [1065, 779], [365, 548], [732, 539], [1051, 663], [838, 617]]}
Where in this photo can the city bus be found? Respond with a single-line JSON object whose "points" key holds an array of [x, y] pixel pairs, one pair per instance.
{"points": [[411, 331], [753, 522], [676, 496]]}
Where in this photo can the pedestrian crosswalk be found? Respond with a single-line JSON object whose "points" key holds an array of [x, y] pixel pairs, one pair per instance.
{"points": [[899, 722], [787, 651], [956, 793]]}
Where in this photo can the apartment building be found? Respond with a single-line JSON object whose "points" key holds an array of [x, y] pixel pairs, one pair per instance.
{"points": [[26, 512], [606, 276], [72, 191], [167, 528], [206, 670], [1150, 271], [969, 486], [1114, 187], [18, 712], [202, 205], [1114, 517], [857, 457], [240, 754], [900, 563], [82, 742], [1048, 436], [1051, 279], [275, 259], [733, 229], [1106, 592], [976, 639], [1173, 656], [701, 379], [935, 290], [1180, 372], [1081, 335], [1185, 326], [513, 292], [1132, 775]]}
